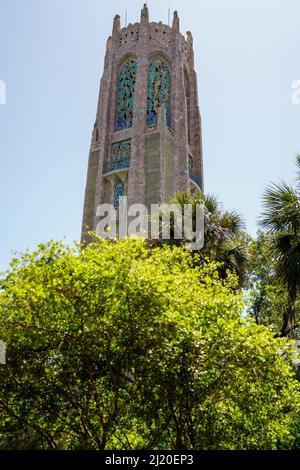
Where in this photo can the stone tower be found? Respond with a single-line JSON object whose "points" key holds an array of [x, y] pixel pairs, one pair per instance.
{"points": [[146, 141]]}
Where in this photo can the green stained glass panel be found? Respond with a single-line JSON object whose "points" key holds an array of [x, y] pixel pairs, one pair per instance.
{"points": [[120, 154], [119, 192], [126, 89], [159, 85]]}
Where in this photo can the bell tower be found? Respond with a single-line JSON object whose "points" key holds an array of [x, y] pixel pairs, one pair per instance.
{"points": [[146, 142]]}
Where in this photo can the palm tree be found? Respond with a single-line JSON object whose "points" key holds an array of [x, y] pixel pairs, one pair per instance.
{"points": [[281, 218], [224, 236]]}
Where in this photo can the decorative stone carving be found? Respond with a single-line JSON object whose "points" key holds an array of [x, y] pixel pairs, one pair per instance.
{"points": [[120, 155], [159, 85], [126, 89]]}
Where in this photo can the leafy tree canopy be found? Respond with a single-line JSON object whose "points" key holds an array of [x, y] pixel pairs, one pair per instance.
{"points": [[281, 219], [116, 346]]}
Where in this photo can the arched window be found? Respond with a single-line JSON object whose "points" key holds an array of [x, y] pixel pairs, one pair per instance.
{"points": [[126, 89], [119, 192], [159, 86]]}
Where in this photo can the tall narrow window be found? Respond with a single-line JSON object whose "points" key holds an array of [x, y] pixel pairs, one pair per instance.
{"points": [[119, 192], [159, 85], [188, 104], [126, 89]]}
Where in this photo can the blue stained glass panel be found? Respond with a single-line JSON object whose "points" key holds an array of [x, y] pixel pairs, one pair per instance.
{"points": [[159, 86], [120, 154], [119, 192], [126, 89]]}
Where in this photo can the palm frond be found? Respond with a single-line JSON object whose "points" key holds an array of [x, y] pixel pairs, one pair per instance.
{"points": [[297, 162], [211, 203], [182, 198], [281, 209], [232, 221], [286, 249], [235, 259]]}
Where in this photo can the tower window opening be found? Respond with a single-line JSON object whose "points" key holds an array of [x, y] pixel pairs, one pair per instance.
{"points": [[159, 87], [126, 90], [188, 104], [119, 193], [120, 155]]}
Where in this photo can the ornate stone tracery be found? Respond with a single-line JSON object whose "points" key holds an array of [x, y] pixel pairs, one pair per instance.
{"points": [[120, 155], [159, 87], [126, 90], [119, 192]]}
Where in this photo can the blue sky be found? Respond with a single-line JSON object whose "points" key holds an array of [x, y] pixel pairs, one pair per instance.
{"points": [[51, 60]]}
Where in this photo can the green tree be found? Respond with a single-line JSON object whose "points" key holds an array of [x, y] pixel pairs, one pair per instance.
{"points": [[267, 297], [226, 241], [281, 218], [120, 347]]}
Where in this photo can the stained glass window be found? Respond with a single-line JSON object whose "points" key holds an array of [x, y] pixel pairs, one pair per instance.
{"points": [[159, 84], [119, 192], [188, 104], [120, 155], [126, 88]]}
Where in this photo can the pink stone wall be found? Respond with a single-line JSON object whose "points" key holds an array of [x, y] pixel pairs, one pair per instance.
{"points": [[142, 41]]}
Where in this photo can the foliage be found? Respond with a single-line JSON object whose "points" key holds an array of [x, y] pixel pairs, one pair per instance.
{"points": [[267, 298], [120, 347], [226, 241], [281, 218]]}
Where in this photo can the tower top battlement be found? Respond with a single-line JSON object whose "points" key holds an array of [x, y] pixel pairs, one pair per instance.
{"points": [[158, 31]]}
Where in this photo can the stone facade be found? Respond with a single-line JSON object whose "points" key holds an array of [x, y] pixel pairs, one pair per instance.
{"points": [[166, 155]]}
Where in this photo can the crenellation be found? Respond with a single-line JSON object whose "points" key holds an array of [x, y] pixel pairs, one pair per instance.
{"points": [[116, 25], [175, 24], [129, 34], [161, 33]]}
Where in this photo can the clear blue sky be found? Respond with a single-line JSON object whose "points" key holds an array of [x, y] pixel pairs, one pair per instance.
{"points": [[247, 54]]}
